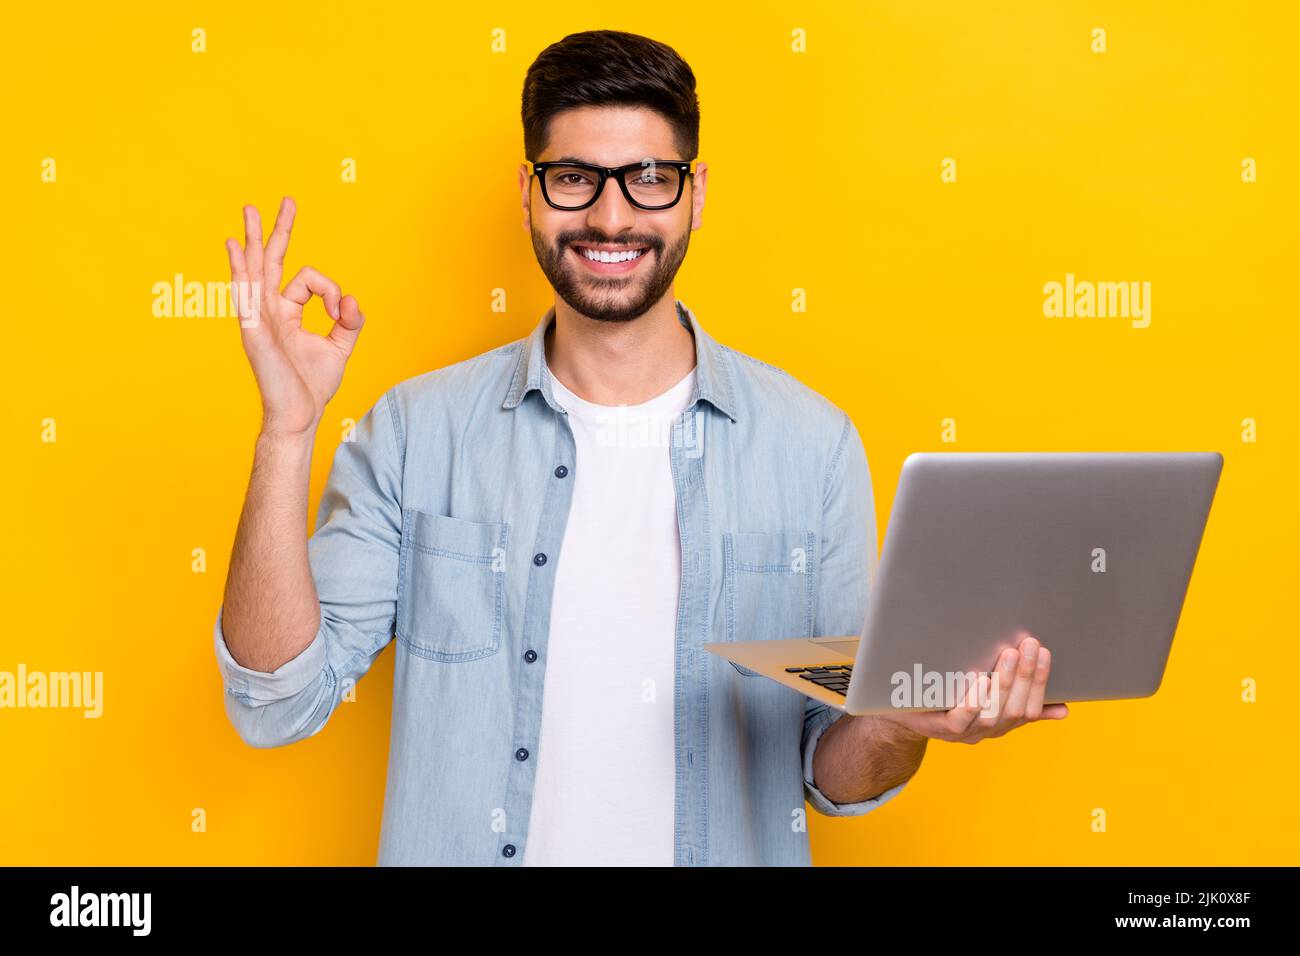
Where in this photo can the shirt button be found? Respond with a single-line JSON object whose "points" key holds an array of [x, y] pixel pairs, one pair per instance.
{"points": [[521, 754], [561, 471], [539, 559], [530, 655], [508, 850]]}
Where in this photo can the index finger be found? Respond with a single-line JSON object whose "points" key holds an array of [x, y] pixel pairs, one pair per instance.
{"points": [[273, 270], [1031, 660]]}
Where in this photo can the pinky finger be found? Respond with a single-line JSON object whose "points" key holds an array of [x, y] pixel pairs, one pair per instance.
{"points": [[240, 292], [238, 269]]}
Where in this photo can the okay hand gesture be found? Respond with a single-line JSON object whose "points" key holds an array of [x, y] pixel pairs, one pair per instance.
{"points": [[297, 371]]}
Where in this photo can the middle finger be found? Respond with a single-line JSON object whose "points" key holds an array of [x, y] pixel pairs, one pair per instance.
{"points": [[1034, 706], [278, 245]]}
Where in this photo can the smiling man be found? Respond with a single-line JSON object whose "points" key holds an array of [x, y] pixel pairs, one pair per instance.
{"points": [[552, 530]]}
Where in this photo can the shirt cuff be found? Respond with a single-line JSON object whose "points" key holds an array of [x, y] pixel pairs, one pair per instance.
{"points": [[285, 681], [820, 802]]}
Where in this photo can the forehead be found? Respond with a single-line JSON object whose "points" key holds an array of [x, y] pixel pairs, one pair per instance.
{"points": [[609, 135]]}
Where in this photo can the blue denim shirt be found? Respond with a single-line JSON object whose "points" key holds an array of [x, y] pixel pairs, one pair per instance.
{"points": [[441, 524]]}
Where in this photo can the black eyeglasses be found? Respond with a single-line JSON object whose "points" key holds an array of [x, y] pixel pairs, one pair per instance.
{"points": [[649, 184]]}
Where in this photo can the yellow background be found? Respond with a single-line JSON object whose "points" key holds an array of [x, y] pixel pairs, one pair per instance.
{"points": [[924, 303]]}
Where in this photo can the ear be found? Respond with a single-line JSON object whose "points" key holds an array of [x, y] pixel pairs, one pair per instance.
{"points": [[525, 191], [698, 184]]}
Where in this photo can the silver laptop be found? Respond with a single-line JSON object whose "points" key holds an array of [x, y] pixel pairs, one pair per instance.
{"points": [[1090, 552]]}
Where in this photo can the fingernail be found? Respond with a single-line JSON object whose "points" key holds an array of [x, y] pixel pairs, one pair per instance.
{"points": [[1030, 651]]}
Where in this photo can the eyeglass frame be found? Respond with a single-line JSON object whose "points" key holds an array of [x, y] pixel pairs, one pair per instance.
{"points": [[605, 172]]}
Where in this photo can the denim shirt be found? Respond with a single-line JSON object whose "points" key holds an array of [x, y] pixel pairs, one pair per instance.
{"points": [[441, 524]]}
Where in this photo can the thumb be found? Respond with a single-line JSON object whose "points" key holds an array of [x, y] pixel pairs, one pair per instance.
{"points": [[348, 325]]}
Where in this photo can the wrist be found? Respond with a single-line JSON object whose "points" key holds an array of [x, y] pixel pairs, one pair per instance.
{"points": [[894, 729], [279, 434], [275, 440]]}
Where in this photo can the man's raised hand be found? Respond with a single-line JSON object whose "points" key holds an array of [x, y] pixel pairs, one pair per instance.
{"points": [[297, 371]]}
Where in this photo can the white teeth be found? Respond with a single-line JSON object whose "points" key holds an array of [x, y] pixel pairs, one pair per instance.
{"points": [[599, 256]]}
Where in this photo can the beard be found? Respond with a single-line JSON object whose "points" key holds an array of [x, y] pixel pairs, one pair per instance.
{"points": [[610, 298]]}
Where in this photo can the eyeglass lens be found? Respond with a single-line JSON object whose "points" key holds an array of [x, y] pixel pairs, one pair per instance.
{"points": [[650, 184]]}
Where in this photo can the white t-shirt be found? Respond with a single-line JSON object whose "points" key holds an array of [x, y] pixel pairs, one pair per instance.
{"points": [[606, 774]]}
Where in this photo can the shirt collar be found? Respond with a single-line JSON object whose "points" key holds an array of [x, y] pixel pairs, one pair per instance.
{"points": [[712, 368]]}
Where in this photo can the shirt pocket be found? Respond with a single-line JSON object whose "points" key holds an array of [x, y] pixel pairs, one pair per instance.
{"points": [[769, 586], [453, 586]]}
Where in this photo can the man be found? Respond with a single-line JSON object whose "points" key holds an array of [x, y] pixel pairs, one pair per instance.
{"points": [[552, 529]]}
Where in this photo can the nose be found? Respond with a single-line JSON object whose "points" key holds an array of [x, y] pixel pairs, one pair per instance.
{"points": [[611, 213]]}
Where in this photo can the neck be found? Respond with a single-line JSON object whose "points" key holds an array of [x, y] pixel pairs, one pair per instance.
{"points": [[620, 363]]}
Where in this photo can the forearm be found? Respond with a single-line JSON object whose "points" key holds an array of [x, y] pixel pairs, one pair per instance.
{"points": [[858, 758], [271, 611]]}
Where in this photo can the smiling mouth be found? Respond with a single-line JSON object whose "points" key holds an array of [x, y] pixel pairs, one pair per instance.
{"points": [[612, 256]]}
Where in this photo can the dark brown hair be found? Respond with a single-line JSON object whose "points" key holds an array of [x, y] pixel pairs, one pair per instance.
{"points": [[608, 68]]}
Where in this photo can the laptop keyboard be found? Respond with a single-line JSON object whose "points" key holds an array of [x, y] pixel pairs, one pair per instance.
{"points": [[831, 676]]}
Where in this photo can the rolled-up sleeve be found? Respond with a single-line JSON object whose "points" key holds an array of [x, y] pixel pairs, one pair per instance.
{"points": [[353, 555], [815, 723], [847, 567], [286, 680]]}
